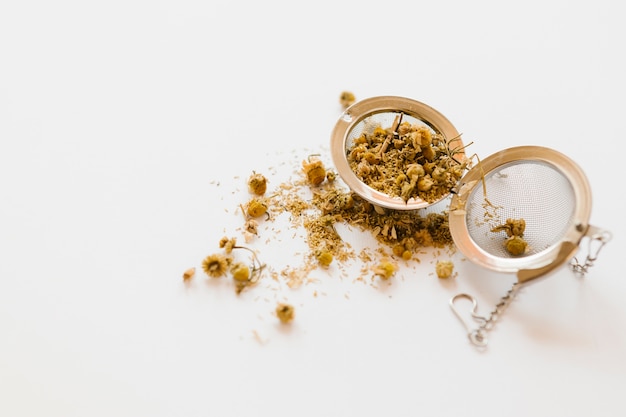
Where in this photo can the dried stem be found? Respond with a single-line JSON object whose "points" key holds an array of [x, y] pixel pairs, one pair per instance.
{"points": [[394, 131], [257, 266]]}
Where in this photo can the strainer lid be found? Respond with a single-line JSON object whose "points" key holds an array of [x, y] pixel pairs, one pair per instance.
{"points": [[381, 109], [539, 185]]}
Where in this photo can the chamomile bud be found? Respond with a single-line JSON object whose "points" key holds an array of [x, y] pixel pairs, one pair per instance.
{"points": [[444, 269], [324, 258], [385, 269], [256, 208], [314, 171], [257, 184], [285, 312], [415, 170], [515, 245], [429, 152], [425, 184], [188, 274], [240, 271], [346, 99]]}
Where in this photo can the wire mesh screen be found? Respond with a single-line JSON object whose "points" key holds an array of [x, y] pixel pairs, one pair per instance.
{"points": [[532, 190]]}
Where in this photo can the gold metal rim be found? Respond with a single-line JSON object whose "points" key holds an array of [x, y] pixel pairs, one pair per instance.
{"points": [[368, 107], [543, 261]]}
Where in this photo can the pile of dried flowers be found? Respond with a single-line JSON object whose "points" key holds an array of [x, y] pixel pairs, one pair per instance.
{"points": [[316, 201]]}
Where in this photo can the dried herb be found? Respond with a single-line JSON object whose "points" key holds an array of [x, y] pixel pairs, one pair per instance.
{"points": [[410, 229], [189, 274], [444, 269], [407, 160], [516, 245], [285, 312], [314, 170], [404, 160], [257, 184], [514, 228], [385, 269], [216, 265], [256, 207], [241, 272], [346, 99]]}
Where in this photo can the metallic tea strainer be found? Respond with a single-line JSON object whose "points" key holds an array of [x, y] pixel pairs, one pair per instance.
{"points": [[537, 185], [385, 111], [545, 189]]}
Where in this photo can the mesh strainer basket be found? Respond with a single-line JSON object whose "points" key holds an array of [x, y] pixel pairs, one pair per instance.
{"points": [[365, 116], [546, 190], [537, 184]]}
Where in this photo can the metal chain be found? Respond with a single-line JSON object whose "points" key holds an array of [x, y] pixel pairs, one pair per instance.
{"points": [[596, 243], [478, 335], [488, 323]]}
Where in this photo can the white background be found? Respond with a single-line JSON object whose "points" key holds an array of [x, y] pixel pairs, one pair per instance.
{"points": [[127, 129]]}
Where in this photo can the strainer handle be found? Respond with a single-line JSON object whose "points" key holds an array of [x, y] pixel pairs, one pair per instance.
{"points": [[597, 239]]}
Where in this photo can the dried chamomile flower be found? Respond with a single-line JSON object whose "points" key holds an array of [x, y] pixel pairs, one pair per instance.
{"points": [[243, 274], [385, 269], [228, 244], [257, 183], [256, 208], [285, 312], [314, 170], [240, 271], [398, 250], [251, 226], [401, 251], [216, 265], [346, 99], [324, 257], [512, 227], [188, 274], [444, 269], [250, 229], [415, 171], [334, 201], [425, 184], [515, 245], [518, 226]]}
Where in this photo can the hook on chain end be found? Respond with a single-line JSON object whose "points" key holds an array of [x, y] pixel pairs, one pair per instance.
{"points": [[475, 335]]}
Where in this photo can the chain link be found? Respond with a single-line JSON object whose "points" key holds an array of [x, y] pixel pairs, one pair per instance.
{"points": [[478, 335], [486, 324], [596, 243]]}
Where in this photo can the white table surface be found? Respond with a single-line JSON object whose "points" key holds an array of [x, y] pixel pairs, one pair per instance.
{"points": [[127, 130]]}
